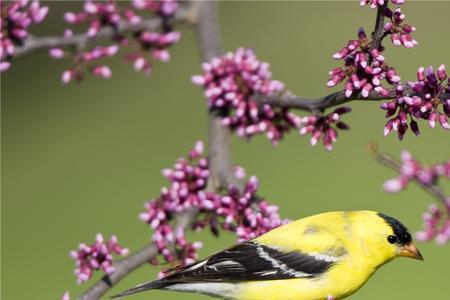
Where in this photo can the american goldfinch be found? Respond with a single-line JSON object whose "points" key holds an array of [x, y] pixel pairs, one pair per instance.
{"points": [[327, 255]]}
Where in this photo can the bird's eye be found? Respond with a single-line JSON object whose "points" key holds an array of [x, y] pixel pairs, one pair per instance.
{"points": [[392, 239]]}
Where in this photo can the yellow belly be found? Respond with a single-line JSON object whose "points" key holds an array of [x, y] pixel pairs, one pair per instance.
{"points": [[339, 282]]}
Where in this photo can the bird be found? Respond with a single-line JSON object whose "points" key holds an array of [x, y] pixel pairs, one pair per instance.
{"points": [[326, 256]]}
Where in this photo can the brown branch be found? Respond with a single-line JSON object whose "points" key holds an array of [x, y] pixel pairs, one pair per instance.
{"points": [[79, 41], [377, 34], [390, 162], [219, 157], [289, 100], [210, 46]]}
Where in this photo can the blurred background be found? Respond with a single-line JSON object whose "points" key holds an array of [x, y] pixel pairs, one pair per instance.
{"points": [[83, 158]]}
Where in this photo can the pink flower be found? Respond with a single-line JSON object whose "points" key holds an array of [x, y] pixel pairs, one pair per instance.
{"points": [[436, 221], [102, 71], [400, 33], [66, 296], [411, 169], [377, 3], [145, 46], [165, 8], [436, 225], [187, 179], [97, 14], [364, 68], [425, 104], [322, 127], [232, 83], [243, 213], [16, 18], [98, 256], [56, 53]]}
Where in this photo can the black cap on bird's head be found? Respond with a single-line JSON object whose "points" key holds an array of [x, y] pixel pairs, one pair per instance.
{"points": [[402, 237]]}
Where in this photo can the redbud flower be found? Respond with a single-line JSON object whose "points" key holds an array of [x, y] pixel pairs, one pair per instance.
{"points": [[16, 17], [187, 179], [84, 60], [242, 213], [97, 14], [232, 83], [425, 104], [157, 44], [56, 53], [146, 46], [436, 221], [66, 296], [164, 8], [411, 169], [377, 3], [320, 126], [400, 33], [98, 256], [364, 68], [436, 225]]}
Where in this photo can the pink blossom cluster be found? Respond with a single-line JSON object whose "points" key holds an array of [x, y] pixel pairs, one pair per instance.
{"points": [[378, 3], [16, 18], [84, 59], [164, 8], [232, 83], [240, 212], [411, 169], [231, 210], [145, 46], [436, 221], [400, 33], [187, 179], [364, 68], [320, 126], [98, 256], [436, 224], [425, 104]]}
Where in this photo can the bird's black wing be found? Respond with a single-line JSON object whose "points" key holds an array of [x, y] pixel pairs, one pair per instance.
{"points": [[252, 261]]}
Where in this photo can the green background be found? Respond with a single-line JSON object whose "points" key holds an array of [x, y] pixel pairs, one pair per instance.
{"points": [[83, 158]]}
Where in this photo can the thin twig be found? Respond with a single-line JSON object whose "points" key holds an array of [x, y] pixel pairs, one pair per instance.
{"points": [[289, 100], [377, 34]]}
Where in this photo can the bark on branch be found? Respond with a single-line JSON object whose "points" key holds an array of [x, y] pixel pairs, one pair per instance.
{"points": [[185, 14], [289, 100]]}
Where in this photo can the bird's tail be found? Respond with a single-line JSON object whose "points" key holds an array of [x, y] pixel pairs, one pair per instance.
{"points": [[157, 284]]}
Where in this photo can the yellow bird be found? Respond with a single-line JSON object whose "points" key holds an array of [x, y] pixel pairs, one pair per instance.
{"points": [[327, 255]]}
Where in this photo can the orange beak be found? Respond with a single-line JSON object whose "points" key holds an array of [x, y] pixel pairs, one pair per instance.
{"points": [[411, 251]]}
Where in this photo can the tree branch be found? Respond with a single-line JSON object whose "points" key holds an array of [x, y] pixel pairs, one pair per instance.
{"points": [[35, 44], [289, 100], [377, 34], [219, 157], [390, 162], [210, 46]]}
